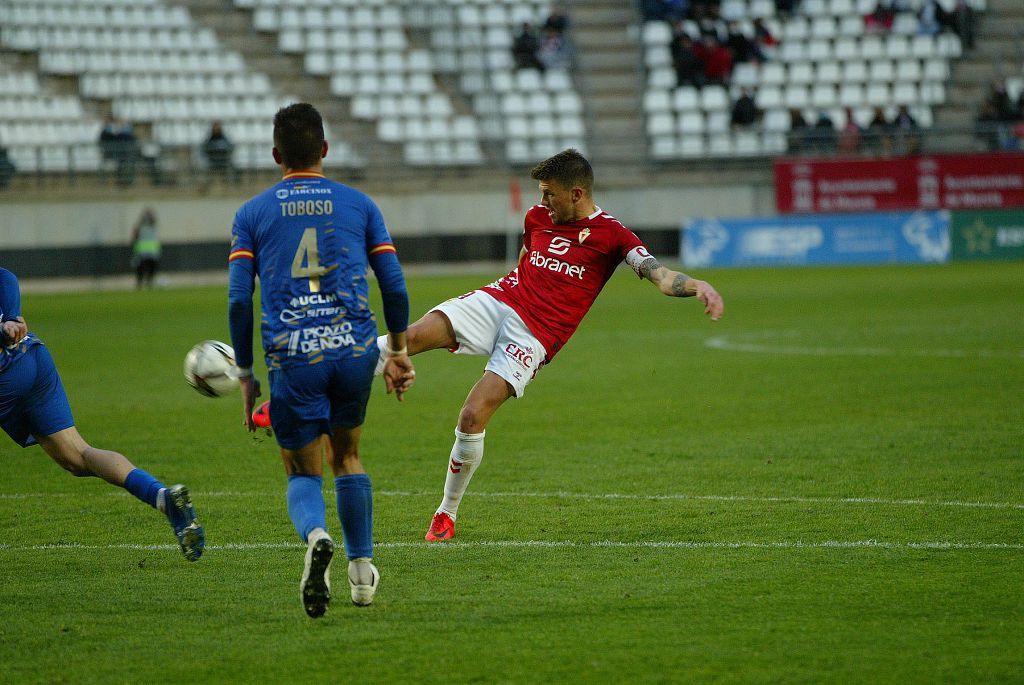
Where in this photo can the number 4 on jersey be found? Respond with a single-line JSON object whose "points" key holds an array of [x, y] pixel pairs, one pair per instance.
{"points": [[308, 254]]}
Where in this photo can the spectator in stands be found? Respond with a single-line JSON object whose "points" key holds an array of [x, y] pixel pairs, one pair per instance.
{"points": [[118, 144], [999, 96], [987, 126], [799, 132], [717, 60], [881, 18], [554, 50], [218, 151], [677, 10], [763, 36], [145, 249], [963, 22], [823, 135], [7, 168], [1020, 105], [525, 47], [743, 49], [557, 21], [906, 132], [879, 133], [786, 8], [714, 29], [707, 10], [652, 10], [665, 10], [689, 68], [850, 135], [744, 111], [933, 18]]}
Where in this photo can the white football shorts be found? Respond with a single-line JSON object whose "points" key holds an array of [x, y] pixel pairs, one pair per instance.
{"points": [[486, 327]]}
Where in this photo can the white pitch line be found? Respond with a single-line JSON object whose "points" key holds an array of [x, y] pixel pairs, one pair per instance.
{"points": [[941, 545], [725, 344], [770, 499]]}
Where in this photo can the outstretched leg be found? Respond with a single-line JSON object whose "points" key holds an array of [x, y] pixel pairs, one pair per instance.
{"points": [[70, 450], [432, 332], [489, 393]]}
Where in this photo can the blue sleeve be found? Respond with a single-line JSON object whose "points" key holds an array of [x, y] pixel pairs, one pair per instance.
{"points": [[10, 296], [393, 294], [241, 286], [384, 262]]}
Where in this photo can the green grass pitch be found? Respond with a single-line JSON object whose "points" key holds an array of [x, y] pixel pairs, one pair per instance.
{"points": [[825, 486]]}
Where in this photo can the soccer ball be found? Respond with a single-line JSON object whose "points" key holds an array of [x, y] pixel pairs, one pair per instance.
{"points": [[210, 368]]}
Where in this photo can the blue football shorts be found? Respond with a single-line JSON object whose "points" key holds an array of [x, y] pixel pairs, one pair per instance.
{"points": [[32, 398], [309, 401]]}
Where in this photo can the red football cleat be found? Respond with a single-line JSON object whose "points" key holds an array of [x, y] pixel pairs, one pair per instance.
{"points": [[441, 528], [261, 415]]}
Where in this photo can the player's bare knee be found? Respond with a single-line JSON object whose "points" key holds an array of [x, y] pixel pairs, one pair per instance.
{"points": [[471, 420]]}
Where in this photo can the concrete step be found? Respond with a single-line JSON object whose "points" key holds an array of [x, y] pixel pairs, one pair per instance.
{"points": [[618, 60], [604, 38], [1004, 25], [616, 103], [617, 126], [610, 82], [603, 14]]}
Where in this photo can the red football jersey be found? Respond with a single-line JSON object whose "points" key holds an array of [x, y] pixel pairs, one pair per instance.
{"points": [[563, 270]]}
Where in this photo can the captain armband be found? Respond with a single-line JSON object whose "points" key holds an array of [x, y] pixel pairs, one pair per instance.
{"points": [[637, 257]]}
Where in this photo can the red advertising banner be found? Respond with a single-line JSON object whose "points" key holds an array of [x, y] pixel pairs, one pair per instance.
{"points": [[970, 181]]}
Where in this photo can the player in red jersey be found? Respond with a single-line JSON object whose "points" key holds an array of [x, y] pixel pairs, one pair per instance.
{"points": [[571, 247]]}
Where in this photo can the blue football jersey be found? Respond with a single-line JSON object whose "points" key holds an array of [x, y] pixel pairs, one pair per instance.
{"points": [[310, 239], [10, 308]]}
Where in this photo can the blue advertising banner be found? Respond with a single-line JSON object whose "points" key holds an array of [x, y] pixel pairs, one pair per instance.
{"points": [[892, 237]]}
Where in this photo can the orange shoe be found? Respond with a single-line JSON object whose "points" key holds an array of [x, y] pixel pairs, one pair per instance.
{"points": [[441, 528]]}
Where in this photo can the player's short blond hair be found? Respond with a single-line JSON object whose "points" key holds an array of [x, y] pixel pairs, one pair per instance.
{"points": [[568, 169]]}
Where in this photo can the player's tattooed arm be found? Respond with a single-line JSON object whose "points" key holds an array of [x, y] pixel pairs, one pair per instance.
{"points": [[669, 282], [647, 269], [675, 283]]}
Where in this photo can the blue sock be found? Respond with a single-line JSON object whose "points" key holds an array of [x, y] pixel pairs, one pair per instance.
{"points": [[143, 486], [306, 504], [355, 509]]}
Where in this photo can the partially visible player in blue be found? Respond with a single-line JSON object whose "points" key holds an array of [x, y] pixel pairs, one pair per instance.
{"points": [[34, 409], [311, 240]]}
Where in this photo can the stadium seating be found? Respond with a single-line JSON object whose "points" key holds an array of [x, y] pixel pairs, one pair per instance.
{"points": [[43, 132], [155, 67], [441, 100], [825, 62]]}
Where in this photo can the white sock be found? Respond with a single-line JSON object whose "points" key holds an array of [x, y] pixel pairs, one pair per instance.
{"points": [[382, 346], [467, 453]]}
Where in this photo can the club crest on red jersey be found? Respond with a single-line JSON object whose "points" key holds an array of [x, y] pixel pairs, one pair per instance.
{"points": [[584, 234]]}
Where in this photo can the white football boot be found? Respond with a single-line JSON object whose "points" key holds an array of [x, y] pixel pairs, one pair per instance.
{"points": [[363, 579], [315, 586]]}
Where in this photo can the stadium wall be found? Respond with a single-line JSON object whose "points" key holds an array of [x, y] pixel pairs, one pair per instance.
{"points": [[45, 238]]}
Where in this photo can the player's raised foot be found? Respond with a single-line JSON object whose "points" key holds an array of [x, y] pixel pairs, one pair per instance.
{"points": [[363, 579], [179, 511], [441, 528], [315, 587]]}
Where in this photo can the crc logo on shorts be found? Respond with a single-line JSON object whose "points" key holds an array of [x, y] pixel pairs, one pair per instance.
{"points": [[520, 356], [559, 245]]}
